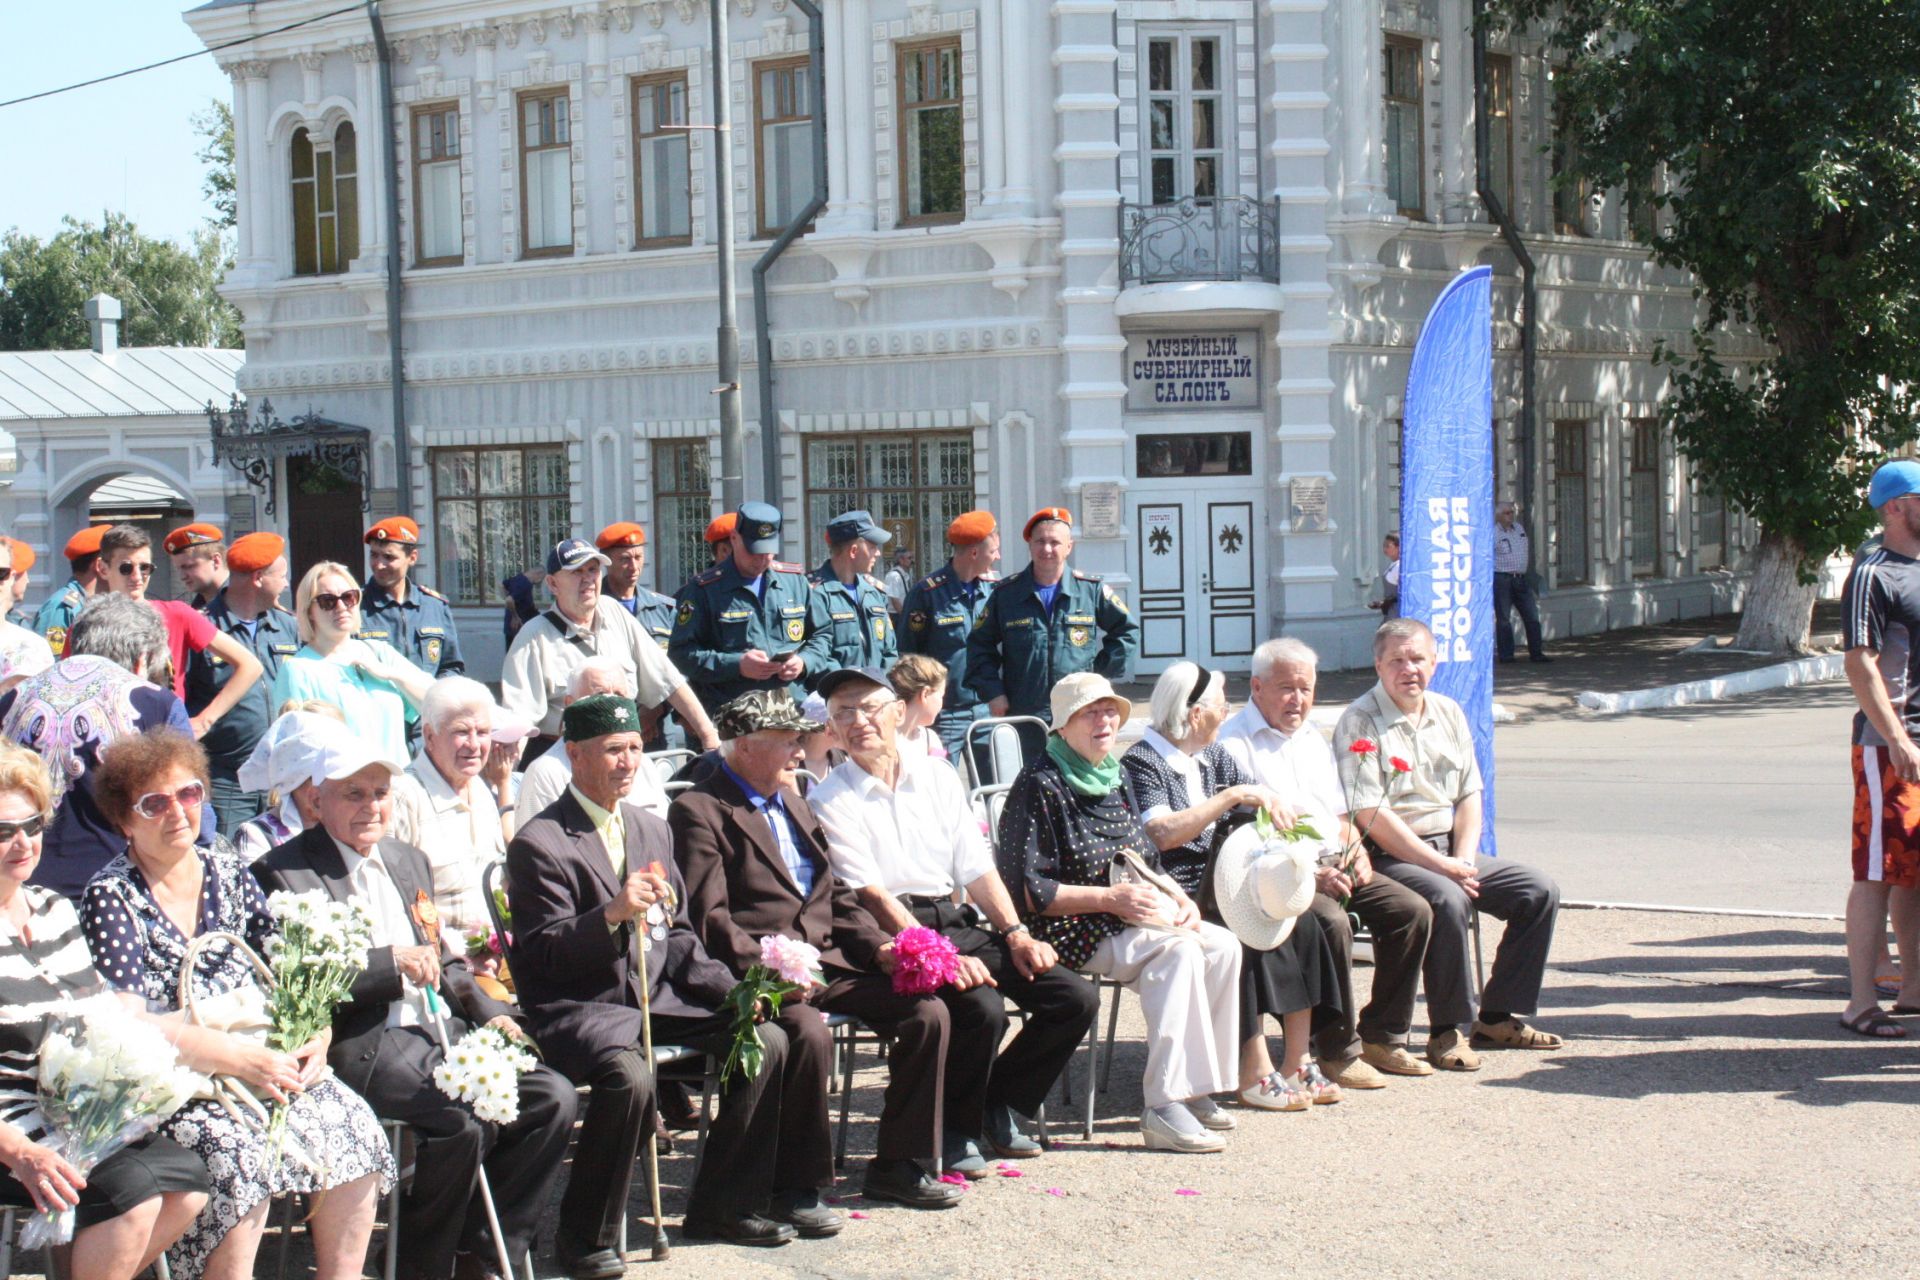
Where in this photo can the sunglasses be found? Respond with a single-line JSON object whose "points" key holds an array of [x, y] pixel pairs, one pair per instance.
{"points": [[154, 804], [28, 827], [128, 569], [345, 600], [5, 574]]}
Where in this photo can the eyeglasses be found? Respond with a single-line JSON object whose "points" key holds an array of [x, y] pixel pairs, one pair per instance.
{"points": [[129, 568], [27, 827], [154, 803], [865, 711], [345, 600]]}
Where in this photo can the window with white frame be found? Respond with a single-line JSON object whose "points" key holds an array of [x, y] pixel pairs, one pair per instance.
{"points": [[662, 184], [1189, 119], [546, 174], [496, 511], [1570, 502], [682, 507], [1403, 89], [783, 141], [1572, 192], [933, 175], [1500, 127], [326, 201], [1644, 480], [436, 186]]}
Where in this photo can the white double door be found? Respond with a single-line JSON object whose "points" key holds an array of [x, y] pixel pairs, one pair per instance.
{"points": [[1196, 573]]}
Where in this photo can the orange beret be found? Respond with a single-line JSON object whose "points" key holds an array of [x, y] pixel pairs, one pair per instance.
{"points": [[394, 529], [1047, 513], [86, 542], [722, 527], [255, 552], [23, 556], [192, 535], [973, 527], [624, 534]]}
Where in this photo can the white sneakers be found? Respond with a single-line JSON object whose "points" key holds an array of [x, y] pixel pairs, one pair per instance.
{"points": [[1273, 1092]]}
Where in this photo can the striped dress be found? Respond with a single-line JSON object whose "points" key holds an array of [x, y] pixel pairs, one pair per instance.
{"points": [[41, 981]]}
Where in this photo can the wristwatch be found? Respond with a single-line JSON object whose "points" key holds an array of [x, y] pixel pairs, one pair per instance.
{"points": [[1017, 927]]}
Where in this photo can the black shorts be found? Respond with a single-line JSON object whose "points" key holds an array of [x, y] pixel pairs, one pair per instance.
{"points": [[129, 1177]]}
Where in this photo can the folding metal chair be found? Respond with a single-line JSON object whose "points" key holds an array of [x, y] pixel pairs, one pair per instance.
{"points": [[670, 761], [995, 742]]}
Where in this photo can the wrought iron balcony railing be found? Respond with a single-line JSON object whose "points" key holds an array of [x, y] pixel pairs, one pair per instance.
{"points": [[1221, 238]]}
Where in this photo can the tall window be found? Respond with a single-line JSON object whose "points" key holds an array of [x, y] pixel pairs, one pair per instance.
{"points": [[1403, 126], [783, 142], [1500, 127], [914, 484], [1572, 194], [326, 202], [682, 506], [1188, 120], [495, 512], [1710, 526], [1570, 501], [933, 178], [436, 186], [1644, 463], [662, 184], [546, 175]]}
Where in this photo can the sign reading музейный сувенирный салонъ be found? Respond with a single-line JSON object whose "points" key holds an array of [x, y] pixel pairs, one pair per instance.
{"points": [[1173, 371]]}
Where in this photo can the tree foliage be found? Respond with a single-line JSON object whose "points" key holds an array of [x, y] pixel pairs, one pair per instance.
{"points": [[166, 289], [1785, 137], [215, 127]]}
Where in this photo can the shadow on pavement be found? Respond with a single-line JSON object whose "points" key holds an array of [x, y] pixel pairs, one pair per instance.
{"points": [[1820, 1077]]}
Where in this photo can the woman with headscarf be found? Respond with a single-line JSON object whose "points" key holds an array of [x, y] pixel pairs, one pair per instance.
{"points": [[281, 769]]}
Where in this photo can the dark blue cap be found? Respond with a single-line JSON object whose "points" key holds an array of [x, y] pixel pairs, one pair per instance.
{"points": [[849, 525], [571, 553], [758, 524]]}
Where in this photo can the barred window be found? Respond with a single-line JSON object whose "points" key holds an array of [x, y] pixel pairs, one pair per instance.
{"points": [[933, 181], [662, 182], [682, 509], [436, 186], [326, 202], [1570, 502], [496, 512], [1403, 86], [915, 484], [1647, 506]]}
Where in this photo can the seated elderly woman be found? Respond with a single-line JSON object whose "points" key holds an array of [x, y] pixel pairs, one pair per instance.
{"points": [[143, 911], [1188, 786], [135, 1203], [376, 688], [278, 769], [454, 803], [1072, 843], [72, 711]]}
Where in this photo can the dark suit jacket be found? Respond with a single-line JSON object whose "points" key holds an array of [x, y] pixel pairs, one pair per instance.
{"points": [[739, 889], [575, 977], [311, 861]]}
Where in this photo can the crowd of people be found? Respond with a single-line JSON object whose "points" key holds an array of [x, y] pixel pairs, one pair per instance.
{"points": [[169, 764]]}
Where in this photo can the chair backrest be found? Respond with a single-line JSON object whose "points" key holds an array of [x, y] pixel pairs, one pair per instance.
{"points": [[988, 803], [996, 749], [670, 761], [492, 879]]}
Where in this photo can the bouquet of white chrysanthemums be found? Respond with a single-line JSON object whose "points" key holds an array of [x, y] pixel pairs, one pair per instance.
{"points": [[319, 951], [107, 1079], [483, 1070]]}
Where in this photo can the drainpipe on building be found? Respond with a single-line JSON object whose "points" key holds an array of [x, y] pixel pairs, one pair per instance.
{"points": [[1510, 232], [396, 378], [763, 336]]}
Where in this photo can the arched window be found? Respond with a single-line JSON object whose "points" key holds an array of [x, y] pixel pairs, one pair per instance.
{"points": [[326, 202]]}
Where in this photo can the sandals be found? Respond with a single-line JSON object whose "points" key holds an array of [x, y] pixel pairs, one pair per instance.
{"points": [[1511, 1033], [1875, 1025]]}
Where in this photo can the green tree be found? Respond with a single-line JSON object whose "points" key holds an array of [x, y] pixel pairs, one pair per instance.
{"points": [[167, 289], [1787, 137], [215, 127]]}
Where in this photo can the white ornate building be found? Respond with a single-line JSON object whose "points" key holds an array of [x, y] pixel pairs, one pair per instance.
{"points": [[1161, 261]]}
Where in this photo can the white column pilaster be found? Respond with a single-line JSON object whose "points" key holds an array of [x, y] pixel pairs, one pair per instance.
{"points": [[856, 49], [842, 82], [1363, 186], [1017, 38], [371, 183], [254, 180], [991, 111]]}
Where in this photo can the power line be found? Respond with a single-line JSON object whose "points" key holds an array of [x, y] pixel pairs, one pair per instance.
{"points": [[167, 62]]}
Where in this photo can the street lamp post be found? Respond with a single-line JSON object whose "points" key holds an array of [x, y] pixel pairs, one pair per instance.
{"points": [[727, 339]]}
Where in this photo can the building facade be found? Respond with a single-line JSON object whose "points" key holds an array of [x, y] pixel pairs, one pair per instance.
{"points": [[1159, 261]]}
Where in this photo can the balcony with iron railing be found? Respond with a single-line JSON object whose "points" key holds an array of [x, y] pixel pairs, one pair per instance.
{"points": [[1200, 254]]}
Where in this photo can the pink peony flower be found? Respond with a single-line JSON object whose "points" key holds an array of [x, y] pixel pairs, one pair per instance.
{"points": [[790, 961], [923, 961]]}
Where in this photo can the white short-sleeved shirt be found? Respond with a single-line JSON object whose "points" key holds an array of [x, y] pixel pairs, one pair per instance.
{"points": [[1298, 766], [533, 678], [922, 840]]}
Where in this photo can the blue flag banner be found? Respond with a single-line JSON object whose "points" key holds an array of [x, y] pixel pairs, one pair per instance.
{"points": [[1446, 504]]}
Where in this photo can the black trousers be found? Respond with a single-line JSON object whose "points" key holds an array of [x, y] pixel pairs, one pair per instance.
{"points": [[736, 1173], [1060, 1005], [443, 1214], [913, 1112]]}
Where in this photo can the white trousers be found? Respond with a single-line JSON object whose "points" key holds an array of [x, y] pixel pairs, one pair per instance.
{"points": [[1189, 988]]}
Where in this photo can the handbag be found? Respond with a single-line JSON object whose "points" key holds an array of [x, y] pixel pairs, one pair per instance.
{"points": [[1129, 867], [244, 1012]]}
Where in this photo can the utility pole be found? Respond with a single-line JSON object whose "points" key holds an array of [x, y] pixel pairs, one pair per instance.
{"points": [[727, 339]]}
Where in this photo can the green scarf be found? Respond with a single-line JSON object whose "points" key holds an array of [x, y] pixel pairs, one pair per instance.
{"points": [[1090, 780]]}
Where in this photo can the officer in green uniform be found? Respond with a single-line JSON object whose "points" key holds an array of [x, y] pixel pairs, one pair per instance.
{"points": [[414, 619], [859, 626], [248, 609], [56, 616], [1046, 622], [942, 610], [625, 544], [751, 623]]}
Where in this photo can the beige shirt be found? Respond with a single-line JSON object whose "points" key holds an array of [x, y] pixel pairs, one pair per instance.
{"points": [[460, 833], [612, 829], [533, 678], [1438, 746]]}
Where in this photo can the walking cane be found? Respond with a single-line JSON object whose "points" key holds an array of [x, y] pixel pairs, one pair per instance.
{"points": [[486, 1191], [643, 943]]}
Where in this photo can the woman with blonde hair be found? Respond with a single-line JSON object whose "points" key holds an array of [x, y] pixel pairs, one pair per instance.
{"points": [[377, 689], [920, 683]]}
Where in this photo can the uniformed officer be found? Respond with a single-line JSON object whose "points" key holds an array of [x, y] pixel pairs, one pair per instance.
{"points": [[1046, 622], [23, 558], [199, 553], [415, 619], [859, 624], [57, 614], [625, 546], [753, 622], [942, 610], [248, 609]]}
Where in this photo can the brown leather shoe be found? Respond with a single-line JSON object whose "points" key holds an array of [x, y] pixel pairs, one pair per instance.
{"points": [[1392, 1059], [1449, 1052], [1355, 1073], [1511, 1033]]}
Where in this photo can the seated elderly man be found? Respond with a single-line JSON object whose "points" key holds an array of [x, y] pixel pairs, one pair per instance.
{"points": [[545, 780], [755, 859], [448, 804], [388, 1037], [597, 900], [1422, 828], [901, 834], [1272, 740]]}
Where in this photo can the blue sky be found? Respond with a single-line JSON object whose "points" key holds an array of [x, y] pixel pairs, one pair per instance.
{"points": [[127, 145]]}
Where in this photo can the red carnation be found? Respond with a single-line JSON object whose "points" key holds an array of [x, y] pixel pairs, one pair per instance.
{"points": [[1399, 765], [1362, 747]]}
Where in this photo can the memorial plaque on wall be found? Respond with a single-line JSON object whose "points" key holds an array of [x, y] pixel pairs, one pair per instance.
{"points": [[1173, 372], [1307, 498], [1100, 511]]}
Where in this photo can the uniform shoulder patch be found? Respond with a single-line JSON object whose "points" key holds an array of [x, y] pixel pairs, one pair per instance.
{"points": [[935, 579], [429, 591], [817, 577], [781, 566], [709, 576], [1085, 577], [685, 614], [874, 582]]}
